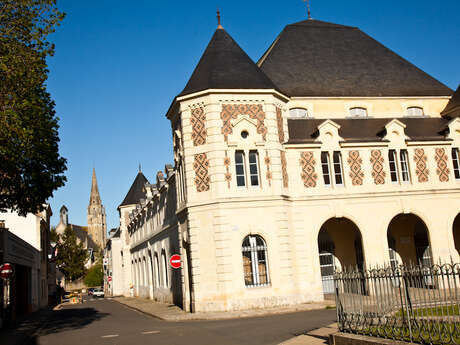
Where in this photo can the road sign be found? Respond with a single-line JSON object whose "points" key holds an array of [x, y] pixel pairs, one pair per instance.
{"points": [[109, 278], [6, 271], [174, 261]]}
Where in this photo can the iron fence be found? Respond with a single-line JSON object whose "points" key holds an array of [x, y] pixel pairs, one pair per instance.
{"points": [[410, 303]]}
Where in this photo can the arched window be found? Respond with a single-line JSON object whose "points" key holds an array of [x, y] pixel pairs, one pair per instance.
{"points": [[298, 113], [358, 112], [415, 111], [157, 271], [164, 266], [255, 263]]}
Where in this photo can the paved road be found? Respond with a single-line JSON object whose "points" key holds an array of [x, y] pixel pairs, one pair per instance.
{"points": [[106, 322]]}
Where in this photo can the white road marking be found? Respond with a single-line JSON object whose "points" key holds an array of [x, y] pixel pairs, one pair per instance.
{"points": [[151, 332], [110, 336]]}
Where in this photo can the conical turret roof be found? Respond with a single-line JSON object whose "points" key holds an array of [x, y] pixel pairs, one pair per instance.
{"points": [[224, 65], [137, 190], [452, 108]]}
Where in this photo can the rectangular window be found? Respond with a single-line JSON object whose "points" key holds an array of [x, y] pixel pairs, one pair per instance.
{"points": [[325, 166], [338, 168], [404, 166], [393, 166], [239, 165], [455, 162], [253, 168]]}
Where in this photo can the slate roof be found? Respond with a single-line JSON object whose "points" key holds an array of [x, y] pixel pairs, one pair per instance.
{"points": [[418, 129], [315, 58], [137, 190], [452, 108], [224, 65]]}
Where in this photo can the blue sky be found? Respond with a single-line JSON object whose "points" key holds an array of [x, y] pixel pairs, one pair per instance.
{"points": [[119, 64]]}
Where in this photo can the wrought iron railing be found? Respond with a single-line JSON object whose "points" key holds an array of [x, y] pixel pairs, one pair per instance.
{"points": [[410, 303]]}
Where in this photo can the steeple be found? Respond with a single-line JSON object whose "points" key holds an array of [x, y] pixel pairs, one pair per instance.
{"points": [[94, 198]]}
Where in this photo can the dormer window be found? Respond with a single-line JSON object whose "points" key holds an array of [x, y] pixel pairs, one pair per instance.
{"points": [[298, 113], [358, 112], [415, 111]]}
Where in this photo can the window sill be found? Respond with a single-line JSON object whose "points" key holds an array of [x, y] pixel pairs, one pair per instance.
{"points": [[258, 286]]}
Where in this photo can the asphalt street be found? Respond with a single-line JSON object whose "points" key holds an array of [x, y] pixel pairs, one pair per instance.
{"points": [[106, 322]]}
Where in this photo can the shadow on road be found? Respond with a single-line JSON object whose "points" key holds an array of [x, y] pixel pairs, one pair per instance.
{"points": [[69, 319]]}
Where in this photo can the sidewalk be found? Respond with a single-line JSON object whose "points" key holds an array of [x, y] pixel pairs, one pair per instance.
{"points": [[170, 312], [318, 336]]}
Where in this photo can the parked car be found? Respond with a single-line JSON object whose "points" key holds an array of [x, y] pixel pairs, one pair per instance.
{"points": [[90, 291], [98, 293], [67, 295]]}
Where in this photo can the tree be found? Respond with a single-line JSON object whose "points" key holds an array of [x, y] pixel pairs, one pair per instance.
{"points": [[31, 167], [72, 256], [95, 276]]}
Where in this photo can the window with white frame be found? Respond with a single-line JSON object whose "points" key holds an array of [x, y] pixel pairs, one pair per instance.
{"points": [[455, 162], [399, 170], [405, 176], [338, 177], [358, 112], [243, 165], [298, 113], [255, 265], [415, 111], [335, 169], [393, 166], [325, 167]]}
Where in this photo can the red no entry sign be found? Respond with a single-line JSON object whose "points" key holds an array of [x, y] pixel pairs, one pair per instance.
{"points": [[109, 278], [6, 271], [174, 261]]}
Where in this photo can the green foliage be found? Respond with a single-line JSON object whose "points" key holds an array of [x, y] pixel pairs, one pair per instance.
{"points": [[95, 276], [31, 166], [72, 256]]}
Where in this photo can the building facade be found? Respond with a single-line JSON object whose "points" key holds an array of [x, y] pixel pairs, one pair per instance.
{"points": [[24, 243], [330, 151]]}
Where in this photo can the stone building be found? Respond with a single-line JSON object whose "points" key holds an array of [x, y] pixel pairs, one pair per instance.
{"points": [[97, 224], [330, 151], [93, 236]]}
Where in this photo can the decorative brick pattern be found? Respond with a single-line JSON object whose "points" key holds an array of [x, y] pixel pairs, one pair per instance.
{"points": [[198, 121], [356, 174], [201, 166], [267, 161], [231, 111], [308, 175], [279, 122], [228, 175], [284, 170], [441, 160], [378, 174], [421, 169]]}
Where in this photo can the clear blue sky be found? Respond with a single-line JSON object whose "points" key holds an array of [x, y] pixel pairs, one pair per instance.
{"points": [[119, 64]]}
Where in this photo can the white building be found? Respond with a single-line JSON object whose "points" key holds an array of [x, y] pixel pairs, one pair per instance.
{"points": [[330, 151]]}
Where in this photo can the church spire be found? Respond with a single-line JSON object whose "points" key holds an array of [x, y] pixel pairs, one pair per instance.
{"points": [[94, 198]]}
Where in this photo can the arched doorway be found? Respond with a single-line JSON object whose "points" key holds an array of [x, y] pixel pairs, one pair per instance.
{"points": [[408, 237], [339, 246], [409, 244], [456, 230]]}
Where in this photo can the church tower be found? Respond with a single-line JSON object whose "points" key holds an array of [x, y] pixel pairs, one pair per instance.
{"points": [[97, 226]]}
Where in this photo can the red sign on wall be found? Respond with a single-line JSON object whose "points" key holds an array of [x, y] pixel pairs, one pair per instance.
{"points": [[6, 271], [174, 261]]}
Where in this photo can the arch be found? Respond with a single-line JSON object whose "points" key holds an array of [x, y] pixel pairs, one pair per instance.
{"points": [[358, 112], [255, 261], [456, 232], [298, 113], [408, 236], [339, 246], [164, 268], [157, 271]]}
